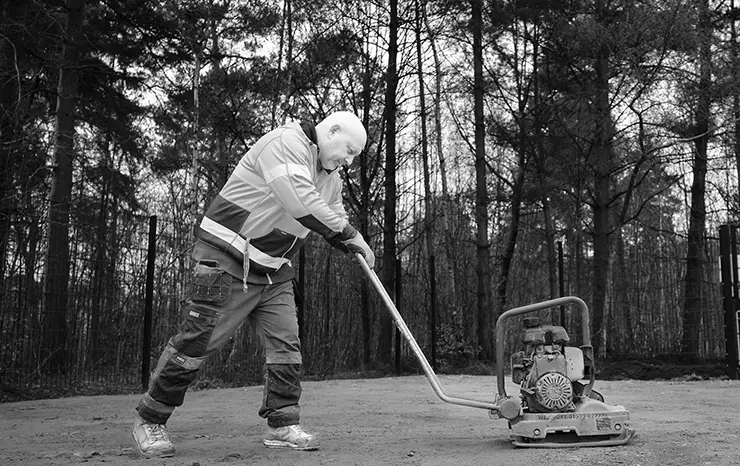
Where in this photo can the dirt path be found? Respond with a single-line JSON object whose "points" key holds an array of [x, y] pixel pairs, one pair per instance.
{"points": [[389, 421]]}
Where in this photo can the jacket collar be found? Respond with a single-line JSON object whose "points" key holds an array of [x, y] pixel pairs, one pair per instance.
{"points": [[310, 131]]}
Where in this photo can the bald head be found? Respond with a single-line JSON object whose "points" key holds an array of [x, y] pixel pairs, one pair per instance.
{"points": [[340, 137]]}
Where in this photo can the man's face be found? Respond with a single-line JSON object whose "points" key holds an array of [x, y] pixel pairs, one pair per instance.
{"points": [[338, 149]]}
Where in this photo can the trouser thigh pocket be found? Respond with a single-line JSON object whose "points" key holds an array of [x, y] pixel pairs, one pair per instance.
{"points": [[210, 284], [196, 329]]}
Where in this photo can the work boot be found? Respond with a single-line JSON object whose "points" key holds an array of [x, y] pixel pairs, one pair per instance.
{"points": [[152, 439], [290, 437]]}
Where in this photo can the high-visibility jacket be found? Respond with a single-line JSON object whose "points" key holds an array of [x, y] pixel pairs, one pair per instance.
{"points": [[274, 198]]}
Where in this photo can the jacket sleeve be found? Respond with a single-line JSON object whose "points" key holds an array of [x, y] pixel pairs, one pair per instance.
{"points": [[286, 167], [336, 203]]}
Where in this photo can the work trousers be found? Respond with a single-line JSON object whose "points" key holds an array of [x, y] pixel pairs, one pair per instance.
{"points": [[215, 307]]}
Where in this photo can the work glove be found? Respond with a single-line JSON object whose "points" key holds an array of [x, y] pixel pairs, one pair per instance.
{"points": [[351, 241], [357, 244]]}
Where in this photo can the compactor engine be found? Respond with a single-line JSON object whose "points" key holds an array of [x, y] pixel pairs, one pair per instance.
{"points": [[549, 371]]}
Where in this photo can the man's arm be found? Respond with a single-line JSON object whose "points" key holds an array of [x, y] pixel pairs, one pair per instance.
{"points": [[285, 165]]}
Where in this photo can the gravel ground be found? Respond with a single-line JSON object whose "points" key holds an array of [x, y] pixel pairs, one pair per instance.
{"points": [[386, 421]]}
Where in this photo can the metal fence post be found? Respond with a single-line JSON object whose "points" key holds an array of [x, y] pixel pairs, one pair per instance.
{"points": [[300, 291], [561, 283], [433, 314], [729, 262], [148, 302], [398, 305]]}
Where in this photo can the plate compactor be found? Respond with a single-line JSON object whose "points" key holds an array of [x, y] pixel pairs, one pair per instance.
{"points": [[556, 406]]}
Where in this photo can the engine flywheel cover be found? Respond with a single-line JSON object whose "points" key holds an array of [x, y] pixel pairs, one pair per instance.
{"points": [[554, 391]]}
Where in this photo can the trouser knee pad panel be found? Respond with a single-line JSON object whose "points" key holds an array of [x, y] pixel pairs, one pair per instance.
{"points": [[174, 378]]}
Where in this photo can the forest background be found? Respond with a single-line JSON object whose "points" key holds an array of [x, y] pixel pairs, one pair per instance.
{"points": [[518, 151]]}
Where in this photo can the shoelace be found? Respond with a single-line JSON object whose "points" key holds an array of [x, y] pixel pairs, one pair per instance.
{"points": [[298, 430], [157, 433]]}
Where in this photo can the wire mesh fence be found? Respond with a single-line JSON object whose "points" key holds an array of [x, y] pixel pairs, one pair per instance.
{"points": [[98, 344]]}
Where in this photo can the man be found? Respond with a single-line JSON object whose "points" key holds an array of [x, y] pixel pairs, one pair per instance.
{"points": [[286, 186]]}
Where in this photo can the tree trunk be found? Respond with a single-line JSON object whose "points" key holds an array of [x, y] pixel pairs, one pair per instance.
{"points": [[449, 278], [483, 269], [56, 268], [389, 226], [428, 204], [11, 47], [507, 258], [552, 258], [540, 157], [735, 50], [695, 254], [222, 173], [364, 218], [194, 193], [100, 268], [602, 163], [287, 6]]}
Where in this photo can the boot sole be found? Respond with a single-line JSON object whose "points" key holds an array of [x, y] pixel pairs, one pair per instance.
{"points": [[292, 446], [156, 454]]}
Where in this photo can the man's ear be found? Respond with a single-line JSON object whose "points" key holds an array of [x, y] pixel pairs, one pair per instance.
{"points": [[335, 129]]}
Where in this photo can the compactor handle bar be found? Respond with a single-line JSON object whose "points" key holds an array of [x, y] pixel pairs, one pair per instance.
{"points": [[428, 371], [503, 405]]}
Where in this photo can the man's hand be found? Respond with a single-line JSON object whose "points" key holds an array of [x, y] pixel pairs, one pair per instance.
{"points": [[352, 242], [357, 244]]}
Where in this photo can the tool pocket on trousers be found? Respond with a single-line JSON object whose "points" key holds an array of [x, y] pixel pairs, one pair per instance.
{"points": [[196, 330], [210, 284]]}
